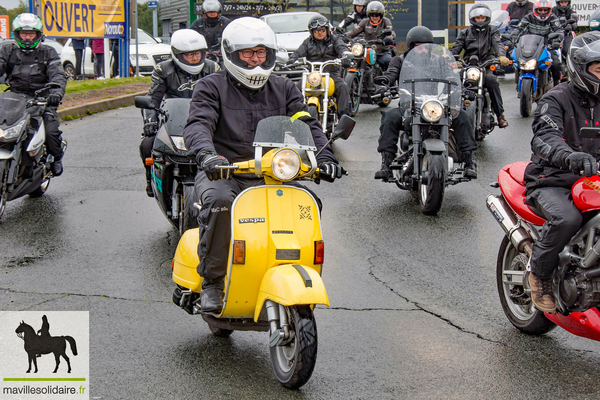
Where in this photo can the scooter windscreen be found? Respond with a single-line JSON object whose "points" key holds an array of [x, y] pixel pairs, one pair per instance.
{"points": [[430, 72], [282, 131]]}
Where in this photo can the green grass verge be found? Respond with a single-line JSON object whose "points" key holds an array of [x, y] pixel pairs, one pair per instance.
{"points": [[90, 84]]}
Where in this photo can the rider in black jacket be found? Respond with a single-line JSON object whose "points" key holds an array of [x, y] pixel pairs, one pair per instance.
{"points": [[30, 65], [355, 16], [322, 45], [565, 13], [542, 22], [225, 110], [483, 41], [212, 24], [518, 9], [175, 78], [559, 157], [392, 121]]}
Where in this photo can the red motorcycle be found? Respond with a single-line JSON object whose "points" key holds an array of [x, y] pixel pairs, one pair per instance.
{"points": [[575, 283]]}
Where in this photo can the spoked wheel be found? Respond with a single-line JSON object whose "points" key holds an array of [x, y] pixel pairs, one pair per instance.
{"points": [[514, 295], [294, 362], [3, 188], [188, 214], [353, 82], [526, 97], [433, 183]]}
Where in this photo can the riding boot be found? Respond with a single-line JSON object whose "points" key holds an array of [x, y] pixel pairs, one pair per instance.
{"points": [[56, 166], [148, 180], [211, 296], [470, 164], [502, 122], [386, 160]]}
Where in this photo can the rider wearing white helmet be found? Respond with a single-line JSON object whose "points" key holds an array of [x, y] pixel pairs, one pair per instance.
{"points": [[224, 112]]}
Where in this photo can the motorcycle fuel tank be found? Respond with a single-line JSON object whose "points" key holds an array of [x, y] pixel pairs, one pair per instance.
{"points": [[586, 193]]}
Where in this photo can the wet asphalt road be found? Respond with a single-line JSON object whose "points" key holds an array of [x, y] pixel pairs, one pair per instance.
{"points": [[414, 309]]}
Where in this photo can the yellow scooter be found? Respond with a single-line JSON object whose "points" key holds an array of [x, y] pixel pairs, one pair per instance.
{"points": [[276, 252]]}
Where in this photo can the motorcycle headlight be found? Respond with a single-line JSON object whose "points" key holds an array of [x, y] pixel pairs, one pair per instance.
{"points": [[528, 65], [13, 132], [178, 142], [286, 164], [594, 24], [473, 74], [314, 79], [432, 111], [357, 49]]}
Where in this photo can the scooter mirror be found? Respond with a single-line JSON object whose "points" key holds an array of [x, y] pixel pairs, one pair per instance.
{"points": [[144, 102], [344, 128]]}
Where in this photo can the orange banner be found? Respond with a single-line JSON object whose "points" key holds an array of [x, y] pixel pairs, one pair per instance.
{"points": [[4, 27]]}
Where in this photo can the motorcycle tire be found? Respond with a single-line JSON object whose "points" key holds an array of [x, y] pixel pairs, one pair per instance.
{"points": [[516, 301], [294, 362], [3, 190], [433, 183], [526, 97], [353, 83], [312, 110], [188, 217], [39, 192]]}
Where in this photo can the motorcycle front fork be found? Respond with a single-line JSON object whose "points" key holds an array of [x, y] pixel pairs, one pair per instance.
{"points": [[280, 333]]}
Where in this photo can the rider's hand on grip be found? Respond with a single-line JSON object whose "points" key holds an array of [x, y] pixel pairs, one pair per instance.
{"points": [[582, 163], [53, 100], [346, 63], [504, 61], [150, 128], [330, 171], [210, 164], [388, 41]]}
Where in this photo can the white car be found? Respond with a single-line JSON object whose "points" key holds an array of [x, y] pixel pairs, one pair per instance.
{"points": [[291, 28], [152, 52]]}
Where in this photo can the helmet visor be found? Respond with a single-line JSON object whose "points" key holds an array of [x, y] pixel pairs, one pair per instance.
{"points": [[480, 12], [587, 54], [543, 11]]}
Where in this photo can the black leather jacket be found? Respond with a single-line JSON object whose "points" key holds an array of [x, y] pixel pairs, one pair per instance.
{"points": [[321, 50], [569, 14], [559, 116], [170, 81], [353, 18], [211, 30], [31, 71], [224, 115], [530, 25], [516, 11], [484, 43], [374, 32]]}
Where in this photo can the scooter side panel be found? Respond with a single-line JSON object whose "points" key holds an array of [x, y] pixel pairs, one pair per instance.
{"points": [[585, 324], [186, 260], [279, 225]]}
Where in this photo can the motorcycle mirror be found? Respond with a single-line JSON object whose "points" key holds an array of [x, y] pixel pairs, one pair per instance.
{"points": [[344, 128], [505, 36], [473, 60], [553, 35], [144, 102], [571, 21], [386, 32], [589, 133]]}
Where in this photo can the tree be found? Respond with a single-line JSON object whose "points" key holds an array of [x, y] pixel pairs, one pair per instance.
{"points": [[145, 19]]}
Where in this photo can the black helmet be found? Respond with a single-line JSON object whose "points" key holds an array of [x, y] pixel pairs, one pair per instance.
{"points": [[375, 8], [318, 21], [418, 34], [585, 49], [521, 3], [480, 10], [563, 8]]}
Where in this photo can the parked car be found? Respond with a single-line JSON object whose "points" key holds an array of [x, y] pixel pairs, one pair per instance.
{"points": [[291, 28], [152, 51]]}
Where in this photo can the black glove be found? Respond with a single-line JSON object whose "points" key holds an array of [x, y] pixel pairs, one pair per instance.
{"points": [[556, 44], [53, 100], [381, 90], [346, 62], [209, 163], [150, 128], [388, 41], [582, 163], [330, 171]]}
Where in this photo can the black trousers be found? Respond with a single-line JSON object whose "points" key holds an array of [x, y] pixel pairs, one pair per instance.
{"points": [[53, 134], [493, 88], [563, 220], [78, 56], [392, 122], [555, 67]]}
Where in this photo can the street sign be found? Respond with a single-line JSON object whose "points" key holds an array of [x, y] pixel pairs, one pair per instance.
{"points": [[152, 4]]}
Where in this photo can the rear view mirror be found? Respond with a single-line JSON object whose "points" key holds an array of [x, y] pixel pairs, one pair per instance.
{"points": [[144, 102], [589, 133], [505, 36], [344, 128], [553, 35]]}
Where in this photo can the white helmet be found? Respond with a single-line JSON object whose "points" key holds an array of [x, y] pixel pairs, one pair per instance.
{"points": [[244, 33], [186, 41]]}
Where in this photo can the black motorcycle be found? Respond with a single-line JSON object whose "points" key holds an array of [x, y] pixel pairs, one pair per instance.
{"points": [[430, 95], [25, 165], [173, 171], [476, 99]]}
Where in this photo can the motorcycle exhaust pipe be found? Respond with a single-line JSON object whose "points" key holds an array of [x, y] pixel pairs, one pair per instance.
{"points": [[507, 219]]}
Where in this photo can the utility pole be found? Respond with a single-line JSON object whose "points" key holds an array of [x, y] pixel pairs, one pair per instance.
{"points": [[419, 12]]}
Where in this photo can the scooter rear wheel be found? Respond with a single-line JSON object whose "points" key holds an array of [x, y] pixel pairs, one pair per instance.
{"points": [[515, 299], [294, 362]]}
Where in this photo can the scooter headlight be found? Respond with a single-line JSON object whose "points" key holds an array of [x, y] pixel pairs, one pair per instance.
{"points": [[178, 142], [357, 49], [13, 132], [473, 74], [286, 164], [432, 111], [314, 79], [528, 65]]}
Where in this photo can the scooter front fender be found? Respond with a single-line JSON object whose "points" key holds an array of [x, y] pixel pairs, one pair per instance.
{"points": [[291, 284]]}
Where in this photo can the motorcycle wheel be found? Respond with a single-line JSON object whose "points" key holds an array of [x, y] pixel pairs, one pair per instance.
{"points": [[39, 192], [294, 362], [431, 193], [3, 191], [526, 97], [516, 301], [352, 81], [188, 215]]}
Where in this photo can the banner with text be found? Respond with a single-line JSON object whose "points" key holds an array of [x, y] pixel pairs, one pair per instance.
{"points": [[4, 27], [84, 18]]}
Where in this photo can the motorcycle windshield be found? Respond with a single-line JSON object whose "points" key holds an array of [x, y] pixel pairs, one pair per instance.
{"points": [[178, 111], [500, 19], [283, 131], [12, 108], [529, 44], [430, 72]]}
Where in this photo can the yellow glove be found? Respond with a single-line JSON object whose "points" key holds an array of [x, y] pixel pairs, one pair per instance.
{"points": [[504, 61]]}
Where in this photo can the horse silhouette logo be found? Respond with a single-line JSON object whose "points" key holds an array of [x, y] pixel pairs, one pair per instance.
{"points": [[40, 343]]}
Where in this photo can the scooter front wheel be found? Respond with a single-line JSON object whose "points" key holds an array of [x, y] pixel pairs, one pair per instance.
{"points": [[294, 362]]}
